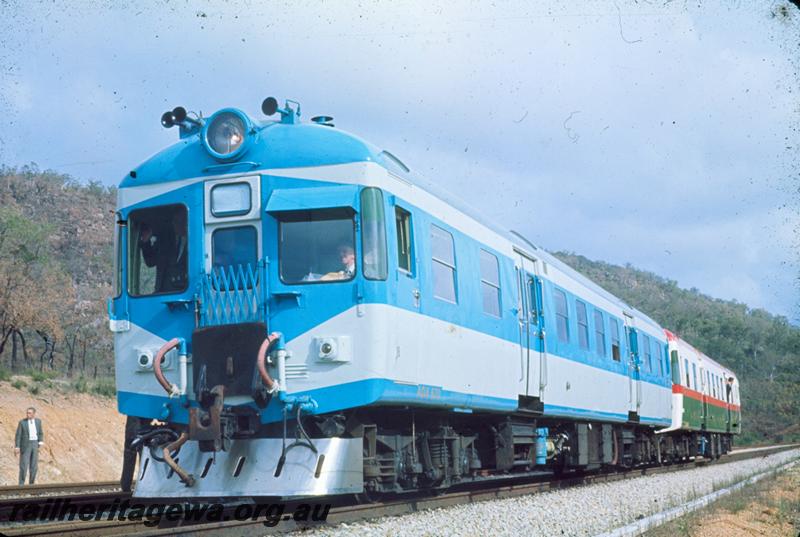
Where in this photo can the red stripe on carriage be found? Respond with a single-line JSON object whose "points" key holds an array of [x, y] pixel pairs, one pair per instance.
{"points": [[683, 390]]}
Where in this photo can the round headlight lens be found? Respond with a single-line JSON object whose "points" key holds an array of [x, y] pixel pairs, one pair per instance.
{"points": [[226, 133]]}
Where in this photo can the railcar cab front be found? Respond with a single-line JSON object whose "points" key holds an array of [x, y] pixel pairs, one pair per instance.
{"points": [[218, 264]]}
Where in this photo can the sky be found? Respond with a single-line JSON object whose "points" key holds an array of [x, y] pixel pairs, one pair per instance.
{"points": [[663, 134]]}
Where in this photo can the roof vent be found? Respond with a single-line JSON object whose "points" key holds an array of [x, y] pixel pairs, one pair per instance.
{"points": [[323, 120]]}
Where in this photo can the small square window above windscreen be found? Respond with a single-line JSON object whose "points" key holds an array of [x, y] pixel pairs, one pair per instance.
{"points": [[232, 199]]}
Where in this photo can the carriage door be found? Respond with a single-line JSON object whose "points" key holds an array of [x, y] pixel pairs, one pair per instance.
{"points": [[531, 322], [234, 285], [634, 381], [728, 385], [408, 294], [705, 391]]}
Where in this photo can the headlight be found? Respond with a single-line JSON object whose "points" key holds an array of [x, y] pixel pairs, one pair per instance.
{"points": [[225, 134]]}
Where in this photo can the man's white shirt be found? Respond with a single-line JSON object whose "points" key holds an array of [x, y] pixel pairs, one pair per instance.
{"points": [[32, 435]]}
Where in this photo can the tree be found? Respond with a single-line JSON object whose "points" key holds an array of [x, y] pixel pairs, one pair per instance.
{"points": [[34, 290]]}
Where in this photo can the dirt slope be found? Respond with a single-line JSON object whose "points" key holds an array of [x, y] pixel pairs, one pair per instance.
{"points": [[83, 434]]}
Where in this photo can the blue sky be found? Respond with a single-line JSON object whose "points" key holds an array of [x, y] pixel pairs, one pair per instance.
{"points": [[662, 134]]}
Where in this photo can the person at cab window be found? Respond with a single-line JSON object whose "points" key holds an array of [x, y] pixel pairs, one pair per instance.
{"points": [[168, 252], [347, 257]]}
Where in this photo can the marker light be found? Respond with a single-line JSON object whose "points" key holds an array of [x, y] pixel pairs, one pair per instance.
{"points": [[230, 199]]}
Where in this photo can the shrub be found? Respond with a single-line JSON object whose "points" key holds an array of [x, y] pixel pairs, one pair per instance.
{"points": [[18, 384], [34, 389], [39, 376], [81, 385], [105, 388], [5, 374]]}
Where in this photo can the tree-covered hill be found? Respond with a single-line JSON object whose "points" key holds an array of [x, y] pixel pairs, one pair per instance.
{"points": [[763, 349], [56, 271]]}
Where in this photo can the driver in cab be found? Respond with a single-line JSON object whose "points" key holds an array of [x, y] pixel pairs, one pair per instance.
{"points": [[347, 256]]}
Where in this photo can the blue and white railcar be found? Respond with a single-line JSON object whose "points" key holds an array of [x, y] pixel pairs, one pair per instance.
{"points": [[306, 318]]}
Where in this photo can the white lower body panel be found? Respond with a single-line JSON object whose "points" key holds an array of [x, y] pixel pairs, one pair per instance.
{"points": [[341, 472]]}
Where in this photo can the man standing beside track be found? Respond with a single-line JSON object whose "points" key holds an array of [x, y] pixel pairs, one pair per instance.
{"points": [[26, 444]]}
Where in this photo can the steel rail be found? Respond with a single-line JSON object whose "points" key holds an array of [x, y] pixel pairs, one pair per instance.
{"points": [[349, 512], [50, 488]]}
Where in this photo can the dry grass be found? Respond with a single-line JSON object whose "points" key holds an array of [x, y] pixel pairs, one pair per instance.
{"points": [[83, 432], [770, 507]]}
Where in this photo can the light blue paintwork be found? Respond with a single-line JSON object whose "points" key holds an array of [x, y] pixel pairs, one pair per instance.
{"points": [[321, 197], [231, 295], [279, 146], [376, 391]]}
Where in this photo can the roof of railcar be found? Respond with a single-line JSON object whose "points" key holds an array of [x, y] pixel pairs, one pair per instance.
{"points": [[298, 145]]}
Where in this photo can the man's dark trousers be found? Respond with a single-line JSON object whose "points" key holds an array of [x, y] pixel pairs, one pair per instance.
{"points": [[28, 457]]}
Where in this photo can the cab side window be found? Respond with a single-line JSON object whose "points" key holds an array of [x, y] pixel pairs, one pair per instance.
{"points": [[158, 250], [373, 234], [405, 256]]}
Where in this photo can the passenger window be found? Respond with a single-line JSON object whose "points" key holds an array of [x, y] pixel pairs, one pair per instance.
{"points": [[443, 261], [658, 355], [317, 246], [694, 377], [562, 317], [158, 250], [600, 333], [490, 283], [373, 234], [615, 350], [583, 325], [647, 357], [686, 368], [676, 373], [402, 220]]}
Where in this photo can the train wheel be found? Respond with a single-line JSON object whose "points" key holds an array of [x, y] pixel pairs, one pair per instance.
{"points": [[369, 496]]}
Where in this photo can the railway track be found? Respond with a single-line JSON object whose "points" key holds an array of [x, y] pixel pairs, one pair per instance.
{"points": [[341, 510], [79, 494], [57, 488]]}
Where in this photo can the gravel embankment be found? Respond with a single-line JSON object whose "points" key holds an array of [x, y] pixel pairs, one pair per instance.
{"points": [[586, 510]]}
